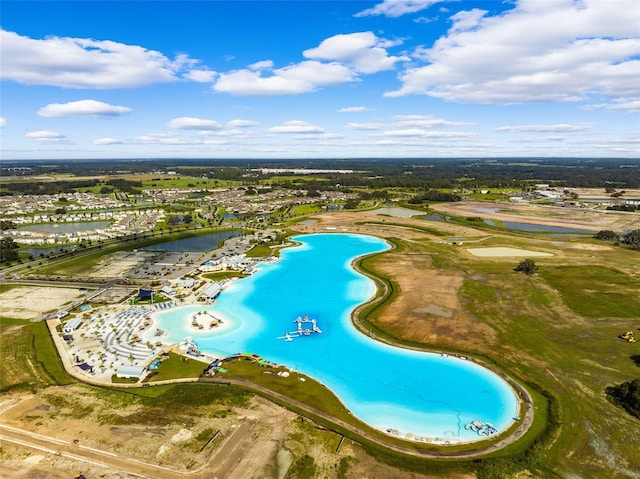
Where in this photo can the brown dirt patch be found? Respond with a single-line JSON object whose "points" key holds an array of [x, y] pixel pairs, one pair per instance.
{"points": [[29, 302], [120, 262], [427, 308], [579, 218]]}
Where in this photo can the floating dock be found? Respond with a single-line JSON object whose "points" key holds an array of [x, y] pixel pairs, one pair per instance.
{"points": [[302, 329]]}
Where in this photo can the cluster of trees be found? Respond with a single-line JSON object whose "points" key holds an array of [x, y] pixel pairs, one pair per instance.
{"points": [[632, 238], [627, 395], [527, 266], [374, 173], [48, 187], [125, 185], [174, 220], [7, 225], [624, 207], [434, 195], [8, 250]]}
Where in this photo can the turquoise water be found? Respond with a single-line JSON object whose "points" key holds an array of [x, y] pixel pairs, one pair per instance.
{"points": [[387, 387]]}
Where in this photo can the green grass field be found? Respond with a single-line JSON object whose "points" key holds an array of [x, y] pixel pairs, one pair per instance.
{"points": [[596, 291], [178, 367], [29, 358]]}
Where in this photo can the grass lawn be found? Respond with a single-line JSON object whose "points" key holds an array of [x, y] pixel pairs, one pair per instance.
{"points": [[306, 209], [177, 366], [596, 291], [220, 275], [29, 358], [259, 251]]}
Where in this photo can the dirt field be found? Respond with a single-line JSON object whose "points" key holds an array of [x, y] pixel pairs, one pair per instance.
{"points": [[259, 440], [29, 302], [578, 218], [117, 264]]}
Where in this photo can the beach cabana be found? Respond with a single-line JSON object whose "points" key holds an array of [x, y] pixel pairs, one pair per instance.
{"points": [[72, 325], [129, 372], [212, 291]]}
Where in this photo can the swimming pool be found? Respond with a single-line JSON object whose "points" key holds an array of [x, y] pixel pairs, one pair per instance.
{"points": [[422, 394]]}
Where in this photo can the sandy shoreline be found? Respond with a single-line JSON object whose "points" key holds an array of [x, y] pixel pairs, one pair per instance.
{"points": [[204, 318]]}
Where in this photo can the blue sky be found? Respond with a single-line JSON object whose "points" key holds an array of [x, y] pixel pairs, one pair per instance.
{"points": [[320, 79]]}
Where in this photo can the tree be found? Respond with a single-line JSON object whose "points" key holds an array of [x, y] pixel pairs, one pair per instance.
{"points": [[8, 251], [632, 239], [7, 225], [527, 266], [606, 235], [627, 395]]}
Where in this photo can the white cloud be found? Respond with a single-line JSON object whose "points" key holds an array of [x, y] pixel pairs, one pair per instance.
{"points": [[82, 108], [419, 132], [164, 139], [362, 50], [558, 128], [537, 51], [232, 132], [44, 136], [365, 126], [262, 65], [397, 8], [3, 122], [107, 141], [620, 104], [86, 63], [427, 121], [426, 19], [241, 123], [353, 109], [189, 123], [200, 76], [303, 77], [319, 136], [172, 139], [296, 126]]}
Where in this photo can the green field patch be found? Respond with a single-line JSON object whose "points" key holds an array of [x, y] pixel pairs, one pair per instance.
{"points": [[176, 366], [29, 358], [306, 209], [222, 275], [259, 251], [595, 291]]}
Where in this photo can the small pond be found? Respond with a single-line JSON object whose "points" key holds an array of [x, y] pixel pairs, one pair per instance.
{"points": [[197, 244], [396, 212], [64, 228]]}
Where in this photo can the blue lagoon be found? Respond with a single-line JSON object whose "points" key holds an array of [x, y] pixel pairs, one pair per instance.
{"points": [[424, 395]]}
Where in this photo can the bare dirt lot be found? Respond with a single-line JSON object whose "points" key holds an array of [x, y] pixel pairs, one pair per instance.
{"points": [[119, 263], [29, 302], [579, 218], [256, 440]]}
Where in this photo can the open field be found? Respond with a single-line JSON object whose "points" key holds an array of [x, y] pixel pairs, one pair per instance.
{"points": [[578, 218], [555, 332], [28, 302], [505, 251]]}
